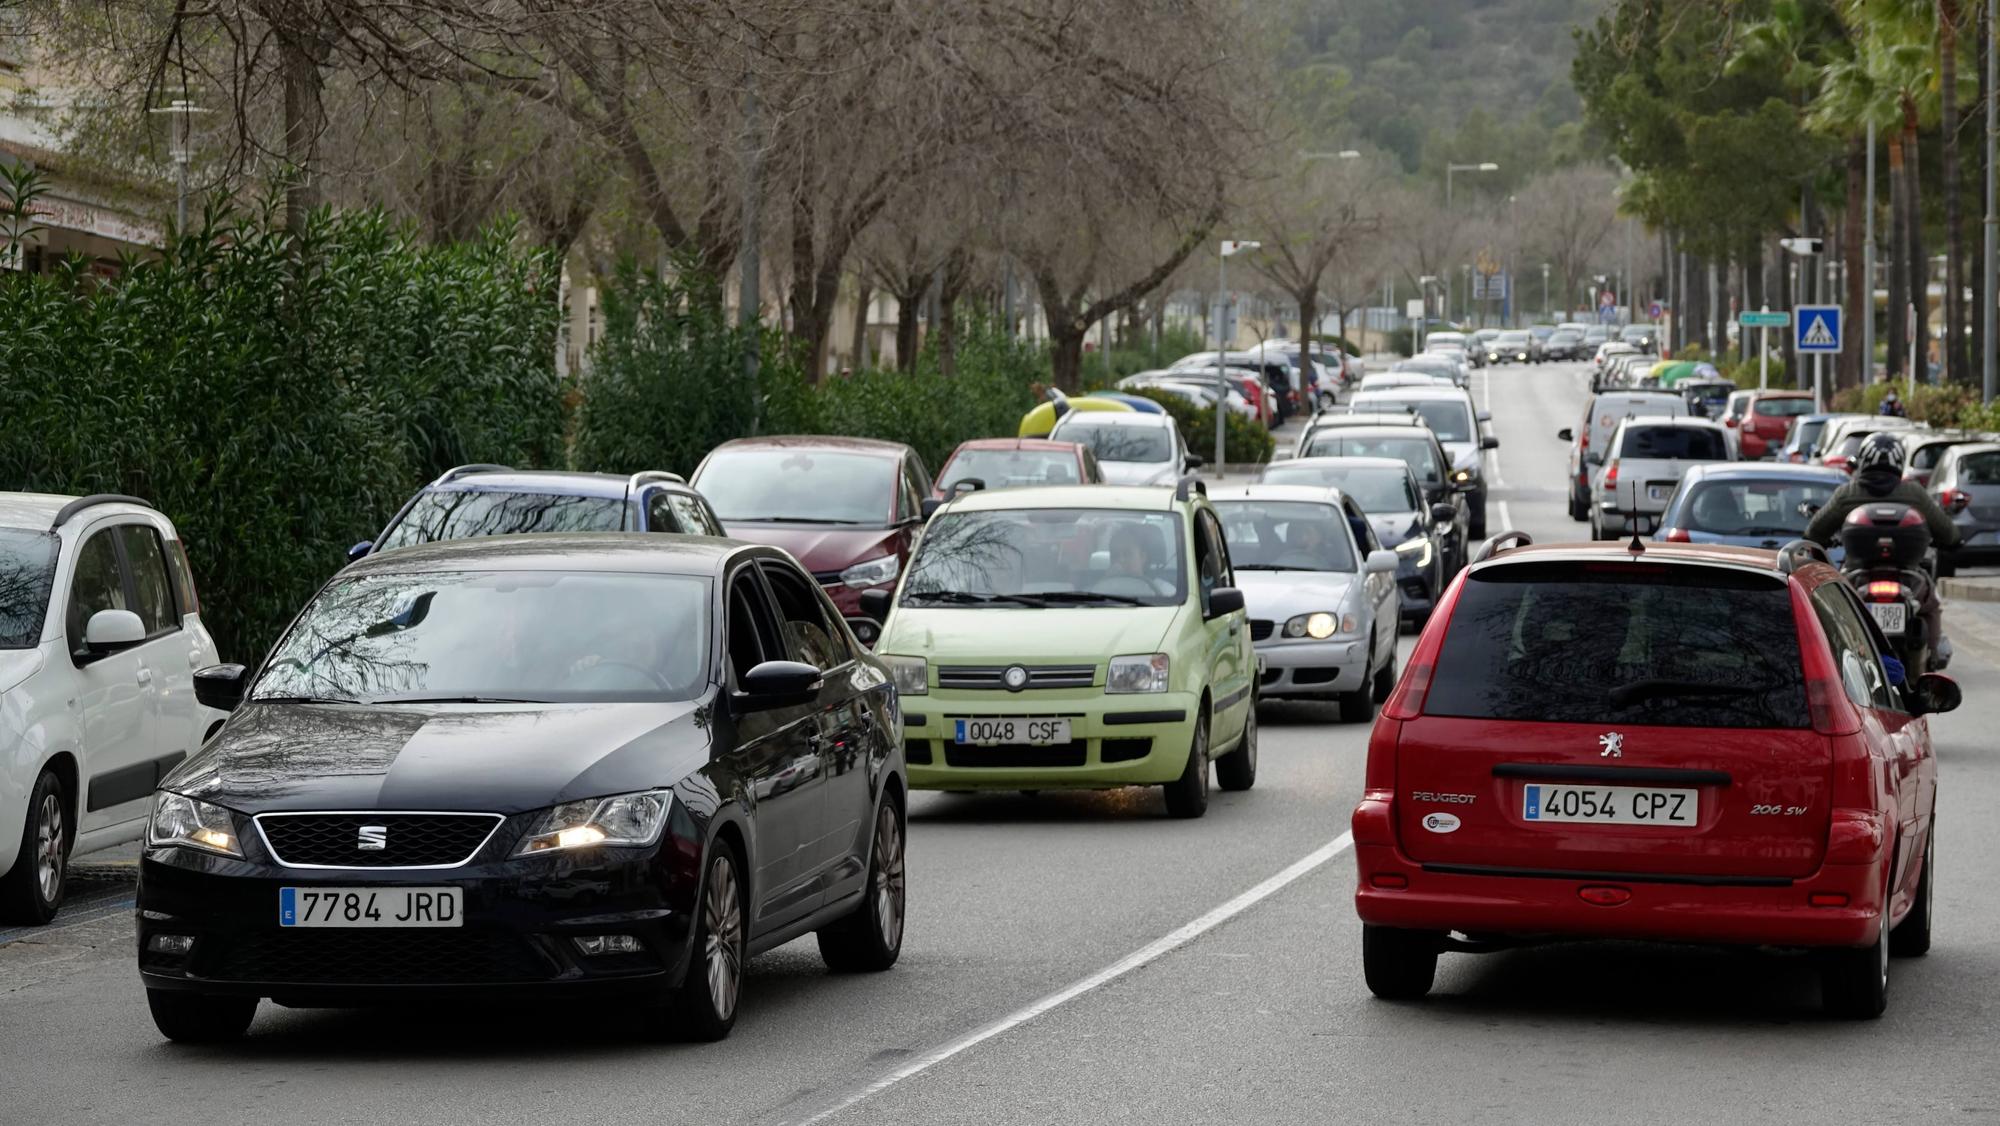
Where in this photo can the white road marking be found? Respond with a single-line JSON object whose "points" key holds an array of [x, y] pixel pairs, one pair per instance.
{"points": [[1151, 952], [1506, 518]]}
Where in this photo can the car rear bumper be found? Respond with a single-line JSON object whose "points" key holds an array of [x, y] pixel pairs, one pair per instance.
{"points": [[1140, 739], [1312, 668], [1531, 905]]}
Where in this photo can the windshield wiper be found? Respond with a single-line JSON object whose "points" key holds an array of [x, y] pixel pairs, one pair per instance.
{"points": [[453, 700], [1091, 596], [302, 700], [1647, 689], [968, 598], [786, 520], [1277, 567]]}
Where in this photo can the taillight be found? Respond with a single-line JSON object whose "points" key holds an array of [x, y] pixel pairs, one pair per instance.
{"points": [[1835, 461], [1677, 535], [1611, 473], [1954, 499], [1828, 705], [1884, 590], [1408, 700]]}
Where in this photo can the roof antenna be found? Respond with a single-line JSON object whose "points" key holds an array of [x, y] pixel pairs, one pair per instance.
{"points": [[1637, 546]]}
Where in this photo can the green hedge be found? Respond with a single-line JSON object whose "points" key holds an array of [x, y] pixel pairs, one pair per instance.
{"points": [[278, 399], [1244, 440]]}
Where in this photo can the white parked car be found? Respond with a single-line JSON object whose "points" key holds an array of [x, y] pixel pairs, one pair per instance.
{"points": [[100, 637], [1321, 593], [1131, 449]]}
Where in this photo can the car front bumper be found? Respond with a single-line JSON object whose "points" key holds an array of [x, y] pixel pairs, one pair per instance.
{"points": [[520, 917], [1296, 667], [1141, 739]]}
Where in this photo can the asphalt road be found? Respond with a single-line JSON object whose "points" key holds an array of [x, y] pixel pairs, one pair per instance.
{"points": [[1081, 959]]}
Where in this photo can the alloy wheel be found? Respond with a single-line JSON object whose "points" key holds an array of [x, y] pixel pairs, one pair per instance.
{"points": [[722, 915], [889, 876], [50, 847]]}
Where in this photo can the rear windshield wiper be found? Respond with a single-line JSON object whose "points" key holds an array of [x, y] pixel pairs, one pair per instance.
{"points": [[1647, 689]]}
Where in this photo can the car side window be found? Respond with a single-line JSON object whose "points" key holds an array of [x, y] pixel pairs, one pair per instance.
{"points": [[1364, 532], [920, 477], [802, 619], [152, 587], [1861, 673], [97, 584], [1211, 556], [693, 516], [753, 638], [660, 516], [907, 503]]}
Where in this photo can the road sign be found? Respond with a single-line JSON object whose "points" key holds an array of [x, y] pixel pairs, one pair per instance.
{"points": [[1607, 300], [1816, 329], [1655, 310], [1765, 320]]}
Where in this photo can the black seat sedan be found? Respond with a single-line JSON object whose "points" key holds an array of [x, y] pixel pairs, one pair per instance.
{"points": [[531, 767]]}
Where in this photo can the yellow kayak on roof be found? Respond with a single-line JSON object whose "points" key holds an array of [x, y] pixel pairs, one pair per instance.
{"points": [[1038, 422]]}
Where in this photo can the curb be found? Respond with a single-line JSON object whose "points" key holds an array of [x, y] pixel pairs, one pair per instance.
{"points": [[1971, 590]]}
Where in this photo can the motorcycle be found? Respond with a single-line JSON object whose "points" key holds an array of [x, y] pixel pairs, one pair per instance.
{"points": [[1889, 563]]}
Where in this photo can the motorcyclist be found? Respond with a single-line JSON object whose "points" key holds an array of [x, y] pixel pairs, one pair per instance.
{"points": [[1892, 405], [1878, 479]]}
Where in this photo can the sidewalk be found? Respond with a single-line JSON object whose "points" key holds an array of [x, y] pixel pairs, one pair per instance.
{"points": [[1971, 588]]}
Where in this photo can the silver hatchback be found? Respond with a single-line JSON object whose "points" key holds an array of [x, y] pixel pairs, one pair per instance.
{"points": [[1967, 484], [1643, 465]]}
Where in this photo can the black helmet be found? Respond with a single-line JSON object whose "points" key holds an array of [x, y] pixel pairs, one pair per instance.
{"points": [[1881, 452]]}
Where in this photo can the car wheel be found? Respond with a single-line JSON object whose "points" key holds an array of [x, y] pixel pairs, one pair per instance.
{"points": [[34, 888], [1385, 680], [1912, 936], [1579, 507], [1237, 770], [1187, 796], [1399, 965], [704, 1008], [200, 1018], [1855, 983], [1358, 706], [870, 938]]}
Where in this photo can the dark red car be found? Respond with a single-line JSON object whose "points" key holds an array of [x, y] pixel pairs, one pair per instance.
{"points": [[1000, 463], [848, 509], [1684, 743], [1768, 418]]}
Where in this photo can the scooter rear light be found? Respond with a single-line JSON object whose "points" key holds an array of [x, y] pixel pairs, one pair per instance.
{"points": [[1884, 590], [1911, 518]]}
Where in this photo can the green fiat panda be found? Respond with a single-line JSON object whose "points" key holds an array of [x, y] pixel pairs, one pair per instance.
{"points": [[1082, 637]]}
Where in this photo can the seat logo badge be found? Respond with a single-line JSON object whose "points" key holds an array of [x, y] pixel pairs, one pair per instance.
{"points": [[372, 838], [1613, 744], [1015, 678]]}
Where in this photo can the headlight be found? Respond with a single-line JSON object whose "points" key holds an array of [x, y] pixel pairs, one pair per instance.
{"points": [[873, 572], [1417, 551], [628, 819], [1143, 673], [1461, 476], [912, 674], [189, 823], [1321, 625]]}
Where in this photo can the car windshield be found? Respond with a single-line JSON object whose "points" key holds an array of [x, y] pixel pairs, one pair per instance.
{"points": [[1450, 421], [1417, 453], [1784, 408], [471, 636], [458, 514], [790, 485], [1049, 556], [1284, 536], [1376, 489], [1511, 339], [27, 568], [1113, 442], [1688, 442], [1001, 469], [1677, 646], [1752, 508], [1566, 338]]}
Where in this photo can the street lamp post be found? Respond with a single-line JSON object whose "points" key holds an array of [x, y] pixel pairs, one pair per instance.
{"points": [[1424, 285], [180, 149], [1547, 309], [1483, 166], [1229, 247]]}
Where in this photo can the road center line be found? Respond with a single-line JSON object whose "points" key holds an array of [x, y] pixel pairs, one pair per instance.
{"points": [[1506, 518], [1140, 957]]}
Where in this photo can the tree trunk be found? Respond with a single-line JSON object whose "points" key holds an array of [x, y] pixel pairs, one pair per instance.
{"points": [[952, 282], [305, 121], [1897, 334], [909, 305], [1953, 352], [1913, 224], [1308, 299], [1975, 323], [862, 300], [1066, 349], [1852, 370]]}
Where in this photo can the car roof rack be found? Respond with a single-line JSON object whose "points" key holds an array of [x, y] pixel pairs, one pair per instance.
{"points": [[1799, 552], [64, 513], [1189, 484], [456, 472], [1494, 545]]}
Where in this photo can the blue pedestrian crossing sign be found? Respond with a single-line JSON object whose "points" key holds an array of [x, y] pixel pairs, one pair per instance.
{"points": [[1816, 328]]}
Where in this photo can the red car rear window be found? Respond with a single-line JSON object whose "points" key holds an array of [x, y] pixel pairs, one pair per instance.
{"points": [[1675, 646]]}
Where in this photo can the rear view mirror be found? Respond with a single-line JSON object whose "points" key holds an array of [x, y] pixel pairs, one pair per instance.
{"points": [[777, 684], [1485, 416], [1593, 458], [109, 631], [930, 506], [1380, 562], [1195, 461], [1936, 692], [875, 604], [221, 686], [359, 550], [1224, 600], [1489, 443], [1443, 514], [1566, 434]]}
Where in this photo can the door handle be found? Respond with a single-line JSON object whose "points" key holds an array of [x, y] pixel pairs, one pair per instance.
{"points": [[145, 676]]}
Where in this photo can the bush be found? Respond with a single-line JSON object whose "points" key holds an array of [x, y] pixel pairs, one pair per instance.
{"points": [[1402, 342], [1340, 342], [278, 398], [1245, 441]]}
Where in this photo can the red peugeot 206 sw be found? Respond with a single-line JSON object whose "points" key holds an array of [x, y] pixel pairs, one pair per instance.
{"points": [[1678, 743]]}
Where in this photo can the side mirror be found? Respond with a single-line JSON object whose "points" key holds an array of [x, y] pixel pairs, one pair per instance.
{"points": [[778, 684], [1936, 692], [109, 631], [875, 604], [221, 686], [1443, 514], [1593, 458], [1489, 443], [359, 550], [1380, 562], [1195, 461], [1224, 600], [930, 506], [1567, 434], [1484, 416]]}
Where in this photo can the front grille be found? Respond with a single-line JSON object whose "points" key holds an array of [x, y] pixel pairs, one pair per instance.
{"points": [[1314, 676], [1273, 676], [1015, 754], [1039, 676], [1261, 630], [371, 957], [829, 578], [1124, 750], [410, 840]]}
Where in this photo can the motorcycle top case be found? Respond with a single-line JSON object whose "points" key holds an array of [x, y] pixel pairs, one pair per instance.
{"points": [[1885, 533]]}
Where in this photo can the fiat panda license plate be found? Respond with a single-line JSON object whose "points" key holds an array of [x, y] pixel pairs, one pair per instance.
{"points": [[371, 907], [1610, 805], [1013, 731]]}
